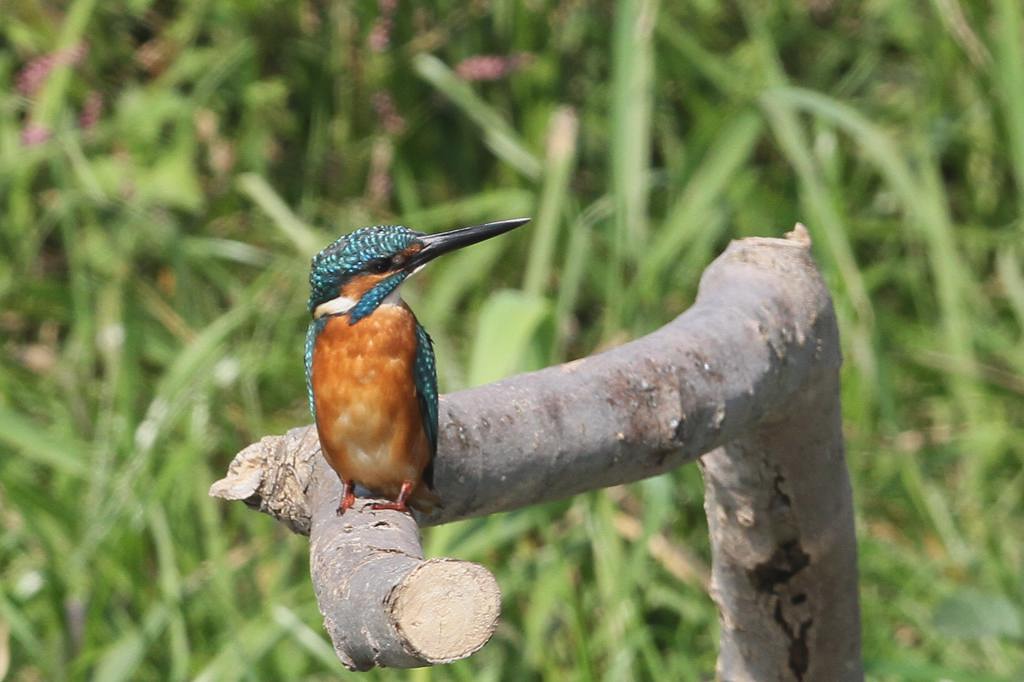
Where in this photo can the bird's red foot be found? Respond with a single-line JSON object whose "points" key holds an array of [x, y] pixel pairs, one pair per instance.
{"points": [[399, 504], [348, 499]]}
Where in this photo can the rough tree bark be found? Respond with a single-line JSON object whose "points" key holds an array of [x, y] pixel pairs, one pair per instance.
{"points": [[748, 375]]}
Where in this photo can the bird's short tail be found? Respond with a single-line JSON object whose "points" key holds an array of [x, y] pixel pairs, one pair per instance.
{"points": [[425, 500]]}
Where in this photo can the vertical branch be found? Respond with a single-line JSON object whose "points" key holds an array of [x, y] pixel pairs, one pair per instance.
{"points": [[784, 577]]}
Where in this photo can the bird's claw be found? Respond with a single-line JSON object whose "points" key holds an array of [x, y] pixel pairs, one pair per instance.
{"points": [[347, 500]]}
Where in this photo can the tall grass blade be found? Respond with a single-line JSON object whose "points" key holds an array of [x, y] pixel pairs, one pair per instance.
{"points": [[498, 135], [1008, 26], [691, 212], [558, 166], [302, 236]]}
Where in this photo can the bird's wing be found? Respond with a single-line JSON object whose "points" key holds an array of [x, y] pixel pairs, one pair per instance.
{"points": [[315, 327], [426, 394]]}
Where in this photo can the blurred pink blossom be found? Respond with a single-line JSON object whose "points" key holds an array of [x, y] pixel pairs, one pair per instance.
{"points": [[491, 67], [380, 34], [387, 113], [91, 110], [32, 76], [34, 133]]}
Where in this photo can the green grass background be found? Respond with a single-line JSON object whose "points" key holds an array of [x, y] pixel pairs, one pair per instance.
{"points": [[153, 283]]}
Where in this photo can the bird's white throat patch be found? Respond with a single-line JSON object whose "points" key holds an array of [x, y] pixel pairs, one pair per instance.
{"points": [[342, 304], [335, 306]]}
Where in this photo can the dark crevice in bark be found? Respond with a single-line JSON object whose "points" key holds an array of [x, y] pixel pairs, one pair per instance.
{"points": [[787, 560], [771, 578], [799, 652], [779, 492]]}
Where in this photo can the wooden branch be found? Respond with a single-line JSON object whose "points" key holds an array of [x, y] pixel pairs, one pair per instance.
{"points": [[749, 375], [382, 603]]}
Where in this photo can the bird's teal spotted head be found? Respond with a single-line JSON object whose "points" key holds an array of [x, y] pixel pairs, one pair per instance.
{"points": [[352, 266], [358, 272]]}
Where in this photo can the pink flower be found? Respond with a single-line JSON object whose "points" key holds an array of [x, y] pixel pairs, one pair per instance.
{"points": [[91, 110], [34, 74], [387, 114], [380, 34], [35, 133], [491, 67]]}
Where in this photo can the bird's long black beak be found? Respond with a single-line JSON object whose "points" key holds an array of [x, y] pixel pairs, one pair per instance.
{"points": [[435, 245]]}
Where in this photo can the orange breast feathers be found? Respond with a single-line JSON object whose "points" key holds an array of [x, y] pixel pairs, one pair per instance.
{"points": [[367, 413]]}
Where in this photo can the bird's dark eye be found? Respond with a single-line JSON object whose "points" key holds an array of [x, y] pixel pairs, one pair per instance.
{"points": [[380, 265]]}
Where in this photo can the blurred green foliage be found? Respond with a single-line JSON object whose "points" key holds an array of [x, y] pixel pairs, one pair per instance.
{"points": [[167, 171]]}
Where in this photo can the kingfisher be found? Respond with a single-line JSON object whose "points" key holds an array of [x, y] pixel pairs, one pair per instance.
{"points": [[370, 372]]}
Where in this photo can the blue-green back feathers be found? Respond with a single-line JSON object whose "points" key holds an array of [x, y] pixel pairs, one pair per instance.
{"points": [[426, 393], [315, 327]]}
